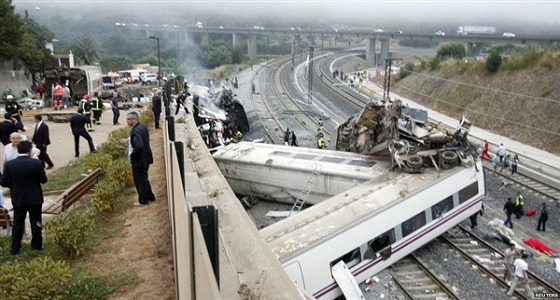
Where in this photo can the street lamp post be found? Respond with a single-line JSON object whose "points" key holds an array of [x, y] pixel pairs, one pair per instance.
{"points": [[158, 61]]}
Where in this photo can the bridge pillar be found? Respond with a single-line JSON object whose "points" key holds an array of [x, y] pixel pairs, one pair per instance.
{"points": [[474, 48], [384, 54], [234, 39], [370, 50], [205, 39], [252, 46]]}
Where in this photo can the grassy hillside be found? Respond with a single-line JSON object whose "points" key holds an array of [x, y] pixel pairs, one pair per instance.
{"points": [[521, 100]]}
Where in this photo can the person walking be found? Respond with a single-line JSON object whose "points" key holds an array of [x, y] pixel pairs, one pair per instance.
{"points": [[115, 108], [509, 258], [514, 164], [294, 139], [543, 218], [519, 205], [502, 152], [156, 108], [521, 268], [509, 209], [86, 107], [474, 217], [253, 87], [78, 125], [41, 138], [96, 108], [495, 163], [24, 176], [140, 155]]}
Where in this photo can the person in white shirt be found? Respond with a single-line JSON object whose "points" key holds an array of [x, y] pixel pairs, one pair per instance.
{"points": [[509, 257], [521, 268], [11, 152], [502, 152]]}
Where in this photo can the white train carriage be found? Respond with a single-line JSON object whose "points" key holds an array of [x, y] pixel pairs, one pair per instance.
{"points": [[373, 225], [280, 173]]}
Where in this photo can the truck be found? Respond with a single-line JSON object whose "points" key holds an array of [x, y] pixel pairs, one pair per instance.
{"points": [[474, 30], [82, 80], [132, 76]]}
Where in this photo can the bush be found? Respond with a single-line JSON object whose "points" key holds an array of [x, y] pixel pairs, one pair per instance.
{"points": [[147, 117], [41, 278], [434, 63], [494, 61], [98, 160], [115, 146], [120, 172], [70, 231], [104, 193]]}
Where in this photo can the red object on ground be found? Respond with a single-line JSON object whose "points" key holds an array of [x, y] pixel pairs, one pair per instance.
{"points": [[534, 243], [530, 212]]}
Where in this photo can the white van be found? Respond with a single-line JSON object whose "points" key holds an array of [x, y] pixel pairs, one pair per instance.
{"points": [[132, 76]]}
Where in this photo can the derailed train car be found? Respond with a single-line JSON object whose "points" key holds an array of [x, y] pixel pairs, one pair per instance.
{"points": [[80, 80]]}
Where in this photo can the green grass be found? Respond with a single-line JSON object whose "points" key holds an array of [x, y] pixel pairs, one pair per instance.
{"points": [[66, 176], [86, 285]]}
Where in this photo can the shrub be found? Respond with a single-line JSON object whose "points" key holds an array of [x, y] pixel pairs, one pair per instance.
{"points": [[147, 117], [408, 67], [41, 278], [70, 231], [120, 172], [121, 133], [104, 193], [434, 64], [116, 147], [494, 61], [98, 160]]}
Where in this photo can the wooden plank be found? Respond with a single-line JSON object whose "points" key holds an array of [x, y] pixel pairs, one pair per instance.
{"points": [[73, 194]]}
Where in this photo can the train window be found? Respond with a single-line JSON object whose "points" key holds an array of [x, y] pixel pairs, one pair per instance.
{"points": [[351, 258], [331, 159], [381, 244], [442, 207], [467, 193], [413, 224]]}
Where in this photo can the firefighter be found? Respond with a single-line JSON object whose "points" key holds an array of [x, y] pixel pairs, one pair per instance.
{"points": [[13, 108], [97, 108], [85, 105], [320, 141]]}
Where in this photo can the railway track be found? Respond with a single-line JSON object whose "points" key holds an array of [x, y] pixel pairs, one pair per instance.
{"points": [[418, 281], [488, 261], [546, 190]]}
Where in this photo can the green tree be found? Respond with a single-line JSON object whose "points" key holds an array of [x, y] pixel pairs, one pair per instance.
{"points": [[494, 61], [33, 54], [11, 31], [87, 50], [216, 56], [114, 62], [453, 50]]}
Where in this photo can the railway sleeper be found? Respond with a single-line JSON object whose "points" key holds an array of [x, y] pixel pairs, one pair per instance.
{"points": [[432, 296]]}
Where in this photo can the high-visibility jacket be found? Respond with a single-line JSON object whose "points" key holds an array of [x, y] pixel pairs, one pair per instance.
{"points": [[320, 143], [58, 90], [85, 106], [519, 200], [96, 104]]}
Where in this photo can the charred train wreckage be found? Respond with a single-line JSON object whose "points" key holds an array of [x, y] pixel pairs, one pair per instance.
{"points": [[220, 116], [406, 135]]}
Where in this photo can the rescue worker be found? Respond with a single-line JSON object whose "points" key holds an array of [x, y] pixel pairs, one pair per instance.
{"points": [[14, 109], [182, 101], [97, 108], [85, 105], [320, 141], [58, 95], [519, 205], [238, 135]]}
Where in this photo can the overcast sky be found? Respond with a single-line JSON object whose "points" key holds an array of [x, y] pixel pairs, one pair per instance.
{"points": [[374, 13]]}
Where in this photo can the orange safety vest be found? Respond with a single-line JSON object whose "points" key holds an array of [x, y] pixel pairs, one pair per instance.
{"points": [[58, 90]]}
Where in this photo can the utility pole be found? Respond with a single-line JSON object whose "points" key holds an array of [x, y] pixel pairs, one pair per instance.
{"points": [[310, 76], [387, 78]]}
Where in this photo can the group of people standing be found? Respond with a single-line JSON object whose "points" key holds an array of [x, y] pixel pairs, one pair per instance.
{"points": [[501, 160]]}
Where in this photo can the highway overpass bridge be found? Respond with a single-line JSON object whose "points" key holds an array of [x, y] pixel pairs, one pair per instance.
{"points": [[378, 42]]}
